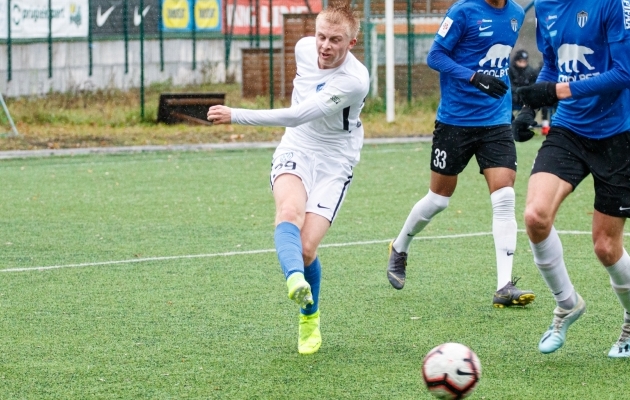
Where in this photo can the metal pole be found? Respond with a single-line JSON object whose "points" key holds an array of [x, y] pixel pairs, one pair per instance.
{"points": [[193, 32], [251, 25], [126, 33], [9, 41], [161, 37], [49, 38], [141, 60], [258, 24], [410, 50], [389, 61], [89, 42], [366, 34], [6, 111], [271, 88]]}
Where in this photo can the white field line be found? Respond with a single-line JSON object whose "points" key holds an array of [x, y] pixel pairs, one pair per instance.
{"points": [[262, 251], [11, 154]]}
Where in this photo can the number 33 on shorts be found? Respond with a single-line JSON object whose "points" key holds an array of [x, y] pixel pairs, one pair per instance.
{"points": [[439, 159]]}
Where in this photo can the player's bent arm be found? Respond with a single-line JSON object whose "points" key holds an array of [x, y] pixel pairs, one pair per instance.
{"points": [[439, 59]]}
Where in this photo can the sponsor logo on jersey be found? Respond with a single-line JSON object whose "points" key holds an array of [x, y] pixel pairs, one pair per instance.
{"points": [[446, 25], [582, 17], [551, 21], [514, 24], [626, 13], [571, 55], [484, 25], [335, 99], [319, 87], [497, 56], [572, 61]]}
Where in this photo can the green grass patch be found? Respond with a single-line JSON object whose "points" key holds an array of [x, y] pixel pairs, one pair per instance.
{"points": [[178, 303], [111, 117]]}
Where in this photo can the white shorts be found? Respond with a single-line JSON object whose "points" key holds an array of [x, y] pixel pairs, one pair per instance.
{"points": [[326, 180]]}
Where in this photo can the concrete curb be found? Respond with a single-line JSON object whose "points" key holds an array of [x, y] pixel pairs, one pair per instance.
{"points": [[11, 154]]}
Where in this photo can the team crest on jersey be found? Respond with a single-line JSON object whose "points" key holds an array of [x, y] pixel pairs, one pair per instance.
{"points": [[582, 17], [446, 25], [514, 24], [320, 87], [283, 157]]}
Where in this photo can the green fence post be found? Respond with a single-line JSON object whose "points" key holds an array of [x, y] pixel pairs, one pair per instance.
{"points": [[9, 41], [49, 38], [161, 36], [410, 50], [271, 88], [126, 33], [89, 40], [193, 32], [141, 60]]}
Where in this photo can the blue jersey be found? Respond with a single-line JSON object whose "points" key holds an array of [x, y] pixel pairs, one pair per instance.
{"points": [[479, 37], [575, 38]]}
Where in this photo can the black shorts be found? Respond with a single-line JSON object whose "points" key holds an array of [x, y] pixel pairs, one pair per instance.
{"points": [[454, 146], [572, 157]]}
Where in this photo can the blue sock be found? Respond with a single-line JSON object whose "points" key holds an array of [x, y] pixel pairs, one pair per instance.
{"points": [[313, 275], [289, 248]]}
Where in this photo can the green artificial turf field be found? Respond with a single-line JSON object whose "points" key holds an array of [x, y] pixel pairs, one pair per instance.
{"points": [[163, 284]]}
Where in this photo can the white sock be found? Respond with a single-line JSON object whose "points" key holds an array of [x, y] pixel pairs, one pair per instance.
{"points": [[420, 215], [620, 279], [504, 232], [548, 257]]}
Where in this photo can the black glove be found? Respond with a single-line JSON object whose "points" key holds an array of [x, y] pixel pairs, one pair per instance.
{"points": [[490, 85], [520, 126], [538, 95]]}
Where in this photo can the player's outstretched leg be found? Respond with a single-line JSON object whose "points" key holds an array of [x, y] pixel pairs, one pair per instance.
{"points": [[510, 295], [396, 267], [555, 336], [309, 335], [621, 348], [299, 290]]}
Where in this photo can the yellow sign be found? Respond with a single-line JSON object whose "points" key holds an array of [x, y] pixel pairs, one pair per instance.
{"points": [[176, 14], [207, 14]]}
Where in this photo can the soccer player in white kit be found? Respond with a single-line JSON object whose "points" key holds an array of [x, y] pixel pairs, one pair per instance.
{"points": [[312, 167]]}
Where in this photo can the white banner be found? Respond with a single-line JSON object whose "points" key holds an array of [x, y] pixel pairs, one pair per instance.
{"points": [[29, 18]]}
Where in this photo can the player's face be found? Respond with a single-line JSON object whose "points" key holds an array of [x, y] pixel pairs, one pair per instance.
{"points": [[333, 44]]}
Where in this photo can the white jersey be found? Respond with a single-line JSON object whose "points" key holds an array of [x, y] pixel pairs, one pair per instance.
{"points": [[325, 107]]}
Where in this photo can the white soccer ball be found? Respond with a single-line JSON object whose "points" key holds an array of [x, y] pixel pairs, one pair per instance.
{"points": [[451, 371]]}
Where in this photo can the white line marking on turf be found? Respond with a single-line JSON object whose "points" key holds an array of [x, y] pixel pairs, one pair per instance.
{"points": [[227, 254], [239, 253]]}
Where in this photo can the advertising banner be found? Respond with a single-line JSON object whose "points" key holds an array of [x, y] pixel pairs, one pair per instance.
{"points": [[243, 14], [182, 15], [107, 17], [29, 18]]}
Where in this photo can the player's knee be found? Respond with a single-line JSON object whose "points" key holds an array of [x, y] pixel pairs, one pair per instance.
{"points": [[434, 205], [605, 250], [536, 220], [503, 203], [289, 213], [309, 252]]}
